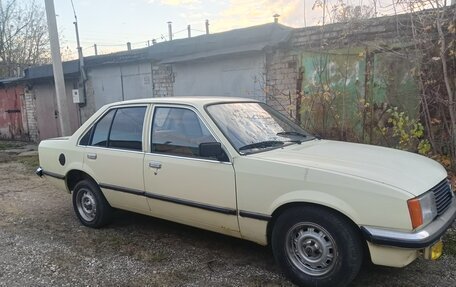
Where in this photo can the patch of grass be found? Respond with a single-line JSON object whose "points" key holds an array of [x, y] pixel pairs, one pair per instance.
{"points": [[151, 257], [185, 274], [5, 158], [6, 145], [258, 281], [30, 162], [449, 243]]}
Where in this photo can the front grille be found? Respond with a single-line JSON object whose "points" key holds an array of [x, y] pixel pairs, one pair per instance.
{"points": [[443, 196]]}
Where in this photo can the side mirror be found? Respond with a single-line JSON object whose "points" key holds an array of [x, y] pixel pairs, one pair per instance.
{"points": [[212, 149]]}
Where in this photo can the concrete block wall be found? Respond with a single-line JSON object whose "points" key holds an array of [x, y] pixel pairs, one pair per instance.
{"points": [[375, 33], [162, 79]]}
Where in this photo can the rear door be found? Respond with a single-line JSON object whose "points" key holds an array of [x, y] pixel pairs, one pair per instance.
{"points": [[114, 156], [180, 184]]}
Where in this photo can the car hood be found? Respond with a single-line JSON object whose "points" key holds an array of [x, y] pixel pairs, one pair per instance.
{"points": [[410, 172]]}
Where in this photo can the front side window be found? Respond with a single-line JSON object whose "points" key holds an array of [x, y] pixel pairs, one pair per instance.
{"points": [[119, 128], [253, 127], [178, 131]]}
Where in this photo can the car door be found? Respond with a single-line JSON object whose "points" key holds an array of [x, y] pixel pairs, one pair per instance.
{"points": [[182, 186], [114, 156]]}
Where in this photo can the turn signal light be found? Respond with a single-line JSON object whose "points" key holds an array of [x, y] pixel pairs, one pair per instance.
{"points": [[416, 214]]}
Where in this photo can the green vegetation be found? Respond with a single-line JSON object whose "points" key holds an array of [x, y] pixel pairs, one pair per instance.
{"points": [[30, 162], [6, 145], [449, 243]]}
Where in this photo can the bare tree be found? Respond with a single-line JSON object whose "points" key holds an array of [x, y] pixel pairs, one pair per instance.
{"points": [[434, 34], [339, 11], [23, 37], [429, 30]]}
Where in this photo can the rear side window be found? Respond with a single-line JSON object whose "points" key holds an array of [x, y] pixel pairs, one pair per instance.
{"points": [[127, 128], [119, 128]]}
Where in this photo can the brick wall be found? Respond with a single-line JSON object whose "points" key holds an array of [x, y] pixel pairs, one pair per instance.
{"points": [[281, 80], [31, 125], [162, 79]]}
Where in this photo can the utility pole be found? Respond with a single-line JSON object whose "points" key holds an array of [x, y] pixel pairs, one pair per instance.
{"points": [[57, 69]]}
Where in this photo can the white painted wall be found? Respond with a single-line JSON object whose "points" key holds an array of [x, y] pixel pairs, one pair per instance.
{"points": [[120, 82], [235, 76]]}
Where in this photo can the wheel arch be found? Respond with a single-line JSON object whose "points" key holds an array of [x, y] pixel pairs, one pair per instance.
{"points": [[74, 176]]}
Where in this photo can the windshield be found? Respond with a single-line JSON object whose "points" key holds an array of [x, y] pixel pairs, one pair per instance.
{"points": [[252, 127]]}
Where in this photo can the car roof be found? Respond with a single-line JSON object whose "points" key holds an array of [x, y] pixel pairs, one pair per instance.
{"points": [[198, 100]]}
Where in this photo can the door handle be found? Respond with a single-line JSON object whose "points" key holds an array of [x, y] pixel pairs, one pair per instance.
{"points": [[92, 156], [155, 164]]}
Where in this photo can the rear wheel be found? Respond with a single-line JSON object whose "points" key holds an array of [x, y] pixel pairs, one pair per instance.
{"points": [[90, 205], [317, 247]]}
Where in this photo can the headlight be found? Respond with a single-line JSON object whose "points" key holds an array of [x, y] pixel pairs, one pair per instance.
{"points": [[422, 209]]}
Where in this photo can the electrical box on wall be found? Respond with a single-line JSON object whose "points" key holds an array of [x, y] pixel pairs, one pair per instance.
{"points": [[78, 97]]}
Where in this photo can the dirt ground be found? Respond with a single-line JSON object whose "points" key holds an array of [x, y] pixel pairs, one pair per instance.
{"points": [[43, 244]]}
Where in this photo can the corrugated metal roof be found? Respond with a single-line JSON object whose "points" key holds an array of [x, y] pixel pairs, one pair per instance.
{"points": [[243, 40], [6, 81], [45, 71], [234, 41]]}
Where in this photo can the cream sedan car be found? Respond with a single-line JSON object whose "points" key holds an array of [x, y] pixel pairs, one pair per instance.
{"points": [[237, 167]]}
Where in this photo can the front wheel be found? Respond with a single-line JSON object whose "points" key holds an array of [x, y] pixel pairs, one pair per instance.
{"points": [[90, 205], [317, 247]]}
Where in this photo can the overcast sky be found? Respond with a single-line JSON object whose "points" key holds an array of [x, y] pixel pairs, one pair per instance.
{"points": [[112, 23]]}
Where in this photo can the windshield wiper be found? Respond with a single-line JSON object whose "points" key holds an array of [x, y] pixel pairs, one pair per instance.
{"points": [[263, 144], [292, 134]]}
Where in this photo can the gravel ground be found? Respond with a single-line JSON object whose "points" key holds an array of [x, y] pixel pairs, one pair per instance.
{"points": [[43, 244]]}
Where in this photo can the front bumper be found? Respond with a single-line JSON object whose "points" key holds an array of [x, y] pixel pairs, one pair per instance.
{"points": [[418, 239]]}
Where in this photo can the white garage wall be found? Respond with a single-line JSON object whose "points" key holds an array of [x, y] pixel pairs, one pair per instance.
{"points": [[118, 83], [240, 76]]}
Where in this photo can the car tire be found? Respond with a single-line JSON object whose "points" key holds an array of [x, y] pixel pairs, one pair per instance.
{"points": [[315, 246], [90, 205]]}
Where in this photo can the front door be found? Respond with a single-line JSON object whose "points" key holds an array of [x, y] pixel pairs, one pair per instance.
{"points": [[181, 185]]}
